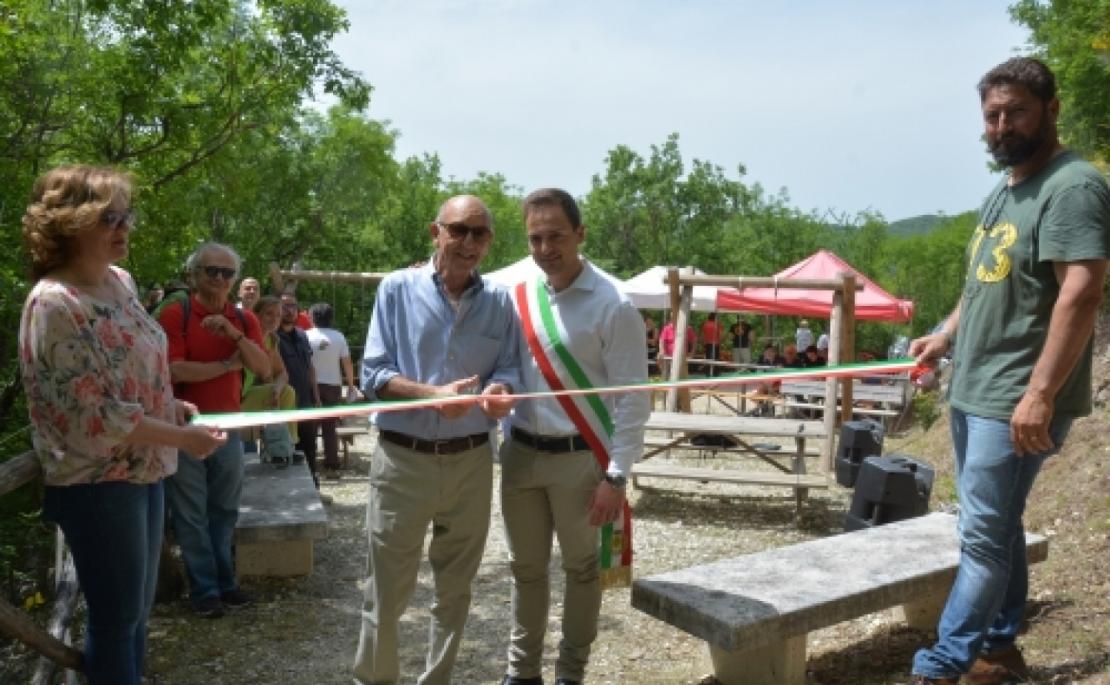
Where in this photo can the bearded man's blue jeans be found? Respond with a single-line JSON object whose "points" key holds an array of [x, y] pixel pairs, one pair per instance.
{"points": [[114, 531], [987, 602]]}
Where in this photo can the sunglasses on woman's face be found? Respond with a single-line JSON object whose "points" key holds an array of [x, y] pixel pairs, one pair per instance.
{"points": [[113, 220]]}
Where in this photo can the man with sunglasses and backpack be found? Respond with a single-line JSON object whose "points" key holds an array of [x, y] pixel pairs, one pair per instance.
{"points": [[210, 342]]}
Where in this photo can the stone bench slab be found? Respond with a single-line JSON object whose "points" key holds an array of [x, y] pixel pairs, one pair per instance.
{"points": [[279, 504], [770, 597], [280, 517]]}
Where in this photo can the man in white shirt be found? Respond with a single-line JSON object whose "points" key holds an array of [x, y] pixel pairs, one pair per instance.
{"points": [[329, 354], [249, 292], [803, 337], [584, 333]]}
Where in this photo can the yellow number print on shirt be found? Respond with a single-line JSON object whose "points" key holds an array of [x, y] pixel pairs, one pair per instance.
{"points": [[1006, 235]]}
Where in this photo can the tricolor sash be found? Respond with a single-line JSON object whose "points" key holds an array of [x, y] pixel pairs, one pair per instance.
{"points": [[588, 413]]}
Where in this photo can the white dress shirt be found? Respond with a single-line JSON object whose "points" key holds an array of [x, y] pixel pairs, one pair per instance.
{"points": [[605, 334]]}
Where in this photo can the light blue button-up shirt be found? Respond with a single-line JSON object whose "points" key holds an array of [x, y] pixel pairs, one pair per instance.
{"points": [[416, 333]]}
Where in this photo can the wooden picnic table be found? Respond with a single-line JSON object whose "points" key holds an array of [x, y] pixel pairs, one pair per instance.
{"points": [[790, 467]]}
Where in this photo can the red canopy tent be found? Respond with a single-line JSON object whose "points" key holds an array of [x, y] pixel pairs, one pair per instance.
{"points": [[872, 303]]}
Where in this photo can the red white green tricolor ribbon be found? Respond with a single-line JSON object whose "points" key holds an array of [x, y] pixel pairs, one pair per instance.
{"points": [[234, 420], [587, 412]]}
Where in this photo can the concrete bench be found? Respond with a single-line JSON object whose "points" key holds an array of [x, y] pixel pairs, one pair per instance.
{"points": [[280, 516], [754, 611]]}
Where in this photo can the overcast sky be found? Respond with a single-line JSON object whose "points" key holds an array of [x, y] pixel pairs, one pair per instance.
{"points": [[848, 105]]}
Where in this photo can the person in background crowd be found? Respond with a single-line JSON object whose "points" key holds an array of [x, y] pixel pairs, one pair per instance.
{"points": [[106, 427], [803, 336], [711, 341], [652, 344], [273, 390], [791, 359], [667, 338], [769, 358], [210, 342], [154, 296], [439, 330], [296, 353], [823, 347], [1021, 341], [249, 292], [742, 342], [330, 355], [176, 290], [813, 357]]}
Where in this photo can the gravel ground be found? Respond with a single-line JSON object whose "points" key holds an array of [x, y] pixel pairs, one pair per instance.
{"points": [[305, 630]]}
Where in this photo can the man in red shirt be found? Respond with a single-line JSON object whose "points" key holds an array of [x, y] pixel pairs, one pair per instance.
{"points": [[210, 342], [711, 341]]}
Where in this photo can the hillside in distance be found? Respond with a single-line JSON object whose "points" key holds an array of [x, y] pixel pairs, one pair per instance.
{"points": [[915, 225]]}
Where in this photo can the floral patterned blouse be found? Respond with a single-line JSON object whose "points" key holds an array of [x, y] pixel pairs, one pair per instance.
{"points": [[91, 369]]}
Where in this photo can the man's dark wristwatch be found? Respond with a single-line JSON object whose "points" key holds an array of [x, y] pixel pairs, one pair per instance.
{"points": [[617, 482]]}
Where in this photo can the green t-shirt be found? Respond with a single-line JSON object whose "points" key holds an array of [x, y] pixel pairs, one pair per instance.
{"points": [[1060, 214]]}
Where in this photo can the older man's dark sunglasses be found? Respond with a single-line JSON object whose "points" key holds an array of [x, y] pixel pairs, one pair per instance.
{"points": [[457, 231], [215, 272]]}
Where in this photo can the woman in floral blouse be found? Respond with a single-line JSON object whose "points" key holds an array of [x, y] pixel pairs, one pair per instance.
{"points": [[106, 426]]}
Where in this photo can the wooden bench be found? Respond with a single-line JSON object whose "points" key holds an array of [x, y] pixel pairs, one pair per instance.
{"points": [[668, 444], [347, 435], [684, 427], [792, 480], [280, 516], [889, 398], [755, 610]]}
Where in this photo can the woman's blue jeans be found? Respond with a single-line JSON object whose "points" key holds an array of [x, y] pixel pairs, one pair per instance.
{"points": [[987, 602], [114, 531]]}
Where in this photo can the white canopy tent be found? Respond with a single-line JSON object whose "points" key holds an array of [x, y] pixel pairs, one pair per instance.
{"points": [[649, 290], [522, 270]]}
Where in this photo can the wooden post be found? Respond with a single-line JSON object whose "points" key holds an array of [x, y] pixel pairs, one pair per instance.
{"points": [[17, 624], [18, 471], [680, 399], [65, 599], [836, 323], [847, 341], [276, 279]]}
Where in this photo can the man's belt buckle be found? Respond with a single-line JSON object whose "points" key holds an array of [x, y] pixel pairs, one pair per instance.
{"points": [[448, 444]]}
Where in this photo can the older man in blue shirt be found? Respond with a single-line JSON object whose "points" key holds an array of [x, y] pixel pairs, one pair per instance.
{"points": [[437, 331]]}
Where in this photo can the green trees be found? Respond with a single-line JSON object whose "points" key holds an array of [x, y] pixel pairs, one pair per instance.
{"points": [[1073, 37]]}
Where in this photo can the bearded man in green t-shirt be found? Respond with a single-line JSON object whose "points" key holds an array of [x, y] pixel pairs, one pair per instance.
{"points": [[1020, 339]]}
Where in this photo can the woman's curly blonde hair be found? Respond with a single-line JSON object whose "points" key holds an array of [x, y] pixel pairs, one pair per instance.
{"points": [[66, 201]]}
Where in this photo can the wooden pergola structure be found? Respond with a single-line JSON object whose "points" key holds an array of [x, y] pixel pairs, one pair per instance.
{"points": [[283, 277], [842, 336]]}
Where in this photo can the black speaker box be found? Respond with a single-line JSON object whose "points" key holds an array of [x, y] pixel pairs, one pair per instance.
{"points": [[858, 440], [890, 488]]}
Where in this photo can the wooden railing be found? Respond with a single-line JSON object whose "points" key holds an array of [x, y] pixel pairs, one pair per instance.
{"points": [[49, 643]]}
